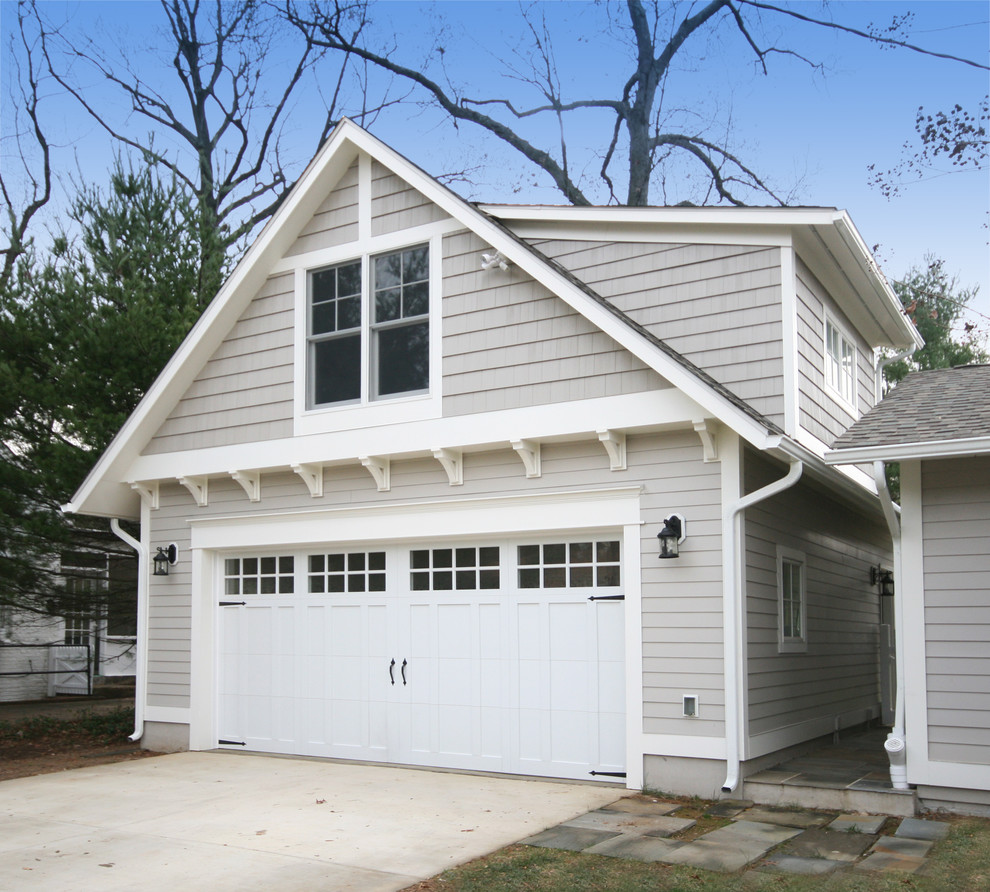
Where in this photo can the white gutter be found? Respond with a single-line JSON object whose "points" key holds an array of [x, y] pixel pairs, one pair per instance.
{"points": [[895, 744], [732, 596], [141, 658]]}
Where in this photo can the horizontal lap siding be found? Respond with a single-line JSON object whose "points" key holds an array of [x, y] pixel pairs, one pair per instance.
{"points": [[718, 305], [336, 221], [682, 599], [839, 673], [395, 205], [170, 604], [682, 618], [823, 416], [509, 342], [956, 525], [244, 392]]}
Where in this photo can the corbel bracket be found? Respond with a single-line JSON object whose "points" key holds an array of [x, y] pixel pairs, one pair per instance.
{"points": [[453, 463], [529, 452], [312, 476], [706, 429], [198, 487], [380, 469], [250, 482], [148, 490], [615, 445]]}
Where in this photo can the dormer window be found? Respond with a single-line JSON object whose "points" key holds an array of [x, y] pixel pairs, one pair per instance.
{"points": [[369, 329]]}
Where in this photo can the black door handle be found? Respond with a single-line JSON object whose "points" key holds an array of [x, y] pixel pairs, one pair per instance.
{"points": [[391, 670], [403, 667]]}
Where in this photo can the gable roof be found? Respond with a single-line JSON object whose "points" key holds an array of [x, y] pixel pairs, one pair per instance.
{"points": [[929, 414], [105, 490]]}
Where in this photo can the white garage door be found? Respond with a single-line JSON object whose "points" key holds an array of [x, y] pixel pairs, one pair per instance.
{"points": [[494, 657]]}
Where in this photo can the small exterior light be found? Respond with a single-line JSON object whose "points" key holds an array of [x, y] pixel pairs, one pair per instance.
{"points": [[167, 554], [884, 579], [671, 536]]}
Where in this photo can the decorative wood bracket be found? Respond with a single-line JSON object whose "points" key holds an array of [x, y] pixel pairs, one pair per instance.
{"points": [[380, 469], [529, 452], [312, 476], [453, 463], [250, 482], [198, 487], [707, 429], [148, 490], [615, 445]]}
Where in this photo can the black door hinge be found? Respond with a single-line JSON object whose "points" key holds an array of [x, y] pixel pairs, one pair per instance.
{"points": [[607, 598], [235, 743], [233, 603], [607, 773]]}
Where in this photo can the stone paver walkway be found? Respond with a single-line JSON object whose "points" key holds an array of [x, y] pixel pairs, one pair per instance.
{"points": [[791, 840]]}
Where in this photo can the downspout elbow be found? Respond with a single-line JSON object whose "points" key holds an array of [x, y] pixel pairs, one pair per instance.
{"points": [[142, 605]]}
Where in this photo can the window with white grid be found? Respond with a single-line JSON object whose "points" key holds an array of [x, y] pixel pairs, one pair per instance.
{"points": [[355, 571], [592, 564], [267, 575]]}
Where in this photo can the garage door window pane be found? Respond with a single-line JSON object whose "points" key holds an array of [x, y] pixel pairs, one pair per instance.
{"points": [[259, 575], [569, 565], [446, 569], [356, 571]]}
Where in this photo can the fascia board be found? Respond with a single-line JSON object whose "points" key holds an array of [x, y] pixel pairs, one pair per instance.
{"points": [[910, 451], [706, 216]]}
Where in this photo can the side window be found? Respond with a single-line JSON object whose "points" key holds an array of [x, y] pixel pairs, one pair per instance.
{"points": [[569, 565], [792, 634], [369, 340], [840, 363]]}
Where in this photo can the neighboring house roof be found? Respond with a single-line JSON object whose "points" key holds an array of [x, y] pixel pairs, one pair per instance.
{"points": [[943, 412], [106, 491]]}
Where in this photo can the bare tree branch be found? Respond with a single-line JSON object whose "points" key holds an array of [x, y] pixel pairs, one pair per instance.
{"points": [[27, 101]]}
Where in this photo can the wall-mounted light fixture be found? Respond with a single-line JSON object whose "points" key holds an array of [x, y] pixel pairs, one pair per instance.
{"points": [[672, 535], [884, 579], [167, 556]]}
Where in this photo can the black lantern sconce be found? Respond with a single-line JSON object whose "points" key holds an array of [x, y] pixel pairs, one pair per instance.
{"points": [[167, 555], [672, 535], [884, 579]]}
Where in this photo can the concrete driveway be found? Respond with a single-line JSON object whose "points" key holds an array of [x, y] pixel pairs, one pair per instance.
{"points": [[226, 821]]}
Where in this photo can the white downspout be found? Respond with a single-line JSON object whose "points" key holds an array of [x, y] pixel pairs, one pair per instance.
{"points": [[733, 627], [141, 658], [895, 744]]}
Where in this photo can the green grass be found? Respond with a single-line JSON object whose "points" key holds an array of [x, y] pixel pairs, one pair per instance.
{"points": [[97, 727], [960, 863]]}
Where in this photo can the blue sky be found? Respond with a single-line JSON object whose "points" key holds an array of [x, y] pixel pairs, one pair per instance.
{"points": [[812, 132]]}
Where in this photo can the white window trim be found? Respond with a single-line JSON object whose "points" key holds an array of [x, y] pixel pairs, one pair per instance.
{"points": [[369, 412], [850, 406], [793, 644]]}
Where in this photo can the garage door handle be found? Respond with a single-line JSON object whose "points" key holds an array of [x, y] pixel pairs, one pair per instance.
{"points": [[403, 667], [391, 670]]}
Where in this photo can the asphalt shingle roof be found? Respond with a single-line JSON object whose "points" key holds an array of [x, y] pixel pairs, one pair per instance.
{"points": [[927, 407]]}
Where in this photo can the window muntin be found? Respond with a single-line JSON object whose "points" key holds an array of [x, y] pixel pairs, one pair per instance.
{"points": [[569, 565], [840, 363], [267, 575], [388, 317], [791, 602], [356, 571], [447, 569]]}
